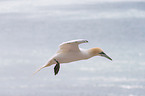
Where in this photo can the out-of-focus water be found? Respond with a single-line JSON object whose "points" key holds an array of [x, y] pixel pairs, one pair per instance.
{"points": [[30, 33]]}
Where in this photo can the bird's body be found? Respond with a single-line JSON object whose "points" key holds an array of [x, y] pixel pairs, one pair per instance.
{"points": [[69, 52], [69, 57]]}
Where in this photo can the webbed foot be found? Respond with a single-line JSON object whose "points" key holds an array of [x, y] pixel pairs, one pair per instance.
{"points": [[57, 67]]}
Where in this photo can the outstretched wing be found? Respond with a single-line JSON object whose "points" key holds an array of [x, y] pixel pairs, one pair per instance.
{"points": [[71, 45]]}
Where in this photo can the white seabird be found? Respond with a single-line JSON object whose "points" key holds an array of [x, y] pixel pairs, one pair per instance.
{"points": [[69, 51]]}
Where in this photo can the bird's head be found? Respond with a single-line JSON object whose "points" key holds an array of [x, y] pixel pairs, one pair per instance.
{"points": [[98, 52]]}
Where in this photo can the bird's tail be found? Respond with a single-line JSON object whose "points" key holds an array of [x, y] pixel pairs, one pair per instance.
{"points": [[38, 70], [41, 68]]}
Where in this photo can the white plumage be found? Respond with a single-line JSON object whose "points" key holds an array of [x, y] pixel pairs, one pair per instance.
{"points": [[69, 51]]}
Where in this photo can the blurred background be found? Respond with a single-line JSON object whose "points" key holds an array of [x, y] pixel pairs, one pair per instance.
{"points": [[31, 30]]}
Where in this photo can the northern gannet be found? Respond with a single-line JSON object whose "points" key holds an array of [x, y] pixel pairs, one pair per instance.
{"points": [[69, 51]]}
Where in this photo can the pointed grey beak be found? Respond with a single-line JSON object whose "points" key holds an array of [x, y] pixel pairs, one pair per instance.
{"points": [[104, 55]]}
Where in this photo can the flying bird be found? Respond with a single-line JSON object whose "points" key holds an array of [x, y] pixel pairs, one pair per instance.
{"points": [[69, 51]]}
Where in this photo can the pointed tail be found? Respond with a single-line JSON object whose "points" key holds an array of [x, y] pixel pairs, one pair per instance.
{"points": [[48, 64], [38, 70]]}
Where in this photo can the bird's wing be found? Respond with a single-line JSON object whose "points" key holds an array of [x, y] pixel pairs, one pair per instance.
{"points": [[71, 45]]}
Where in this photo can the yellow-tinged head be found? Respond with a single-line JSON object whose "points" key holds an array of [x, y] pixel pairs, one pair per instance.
{"points": [[98, 52]]}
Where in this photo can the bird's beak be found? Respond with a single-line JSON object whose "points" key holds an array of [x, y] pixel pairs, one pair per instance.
{"points": [[104, 55], [107, 57]]}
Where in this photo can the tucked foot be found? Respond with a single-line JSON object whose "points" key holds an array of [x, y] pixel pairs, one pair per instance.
{"points": [[57, 67]]}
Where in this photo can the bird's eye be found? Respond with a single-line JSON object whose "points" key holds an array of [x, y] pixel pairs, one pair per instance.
{"points": [[102, 53]]}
